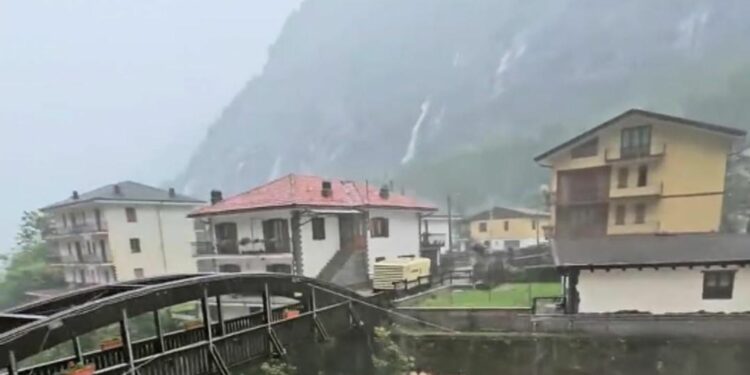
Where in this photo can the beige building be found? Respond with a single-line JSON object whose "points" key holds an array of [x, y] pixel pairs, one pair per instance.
{"points": [[637, 205], [502, 228], [120, 232]]}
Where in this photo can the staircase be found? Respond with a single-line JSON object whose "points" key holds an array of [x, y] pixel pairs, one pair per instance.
{"points": [[346, 268]]}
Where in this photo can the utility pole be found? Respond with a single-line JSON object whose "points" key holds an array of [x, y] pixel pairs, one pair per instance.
{"points": [[450, 225]]}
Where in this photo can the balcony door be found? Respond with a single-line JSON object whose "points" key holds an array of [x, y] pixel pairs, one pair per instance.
{"points": [[352, 232], [226, 238], [635, 142], [582, 221], [276, 235], [583, 186]]}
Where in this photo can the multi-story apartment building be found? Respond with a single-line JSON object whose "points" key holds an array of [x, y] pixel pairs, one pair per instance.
{"points": [[637, 206], [331, 229], [640, 172], [501, 228], [120, 232]]}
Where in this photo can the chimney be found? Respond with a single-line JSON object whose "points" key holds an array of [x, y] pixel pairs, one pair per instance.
{"points": [[216, 196], [116, 189], [326, 189], [172, 193], [75, 194], [384, 192]]}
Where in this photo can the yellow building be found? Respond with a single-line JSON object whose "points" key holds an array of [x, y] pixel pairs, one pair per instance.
{"points": [[503, 228], [640, 172]]}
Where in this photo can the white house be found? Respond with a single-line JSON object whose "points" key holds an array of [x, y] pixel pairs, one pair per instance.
{"points": [[331, 229], [680, 273], [435, 229], [120, 232]]}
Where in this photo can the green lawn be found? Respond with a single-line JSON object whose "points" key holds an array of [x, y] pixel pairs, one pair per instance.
{"points": [[506, 295]]}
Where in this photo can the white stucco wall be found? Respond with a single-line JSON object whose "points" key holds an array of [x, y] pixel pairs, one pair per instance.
{"points": [[657, 291], [403, 239], [316, 253], [165, 235]]}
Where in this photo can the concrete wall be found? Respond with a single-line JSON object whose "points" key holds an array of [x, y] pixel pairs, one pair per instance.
{"points": [[403, 239], [165, 235], [657, 291], [316, 253], [687, 326], [467, 319]]}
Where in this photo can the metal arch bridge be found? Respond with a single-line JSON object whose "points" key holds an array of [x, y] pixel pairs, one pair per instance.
{"points": [[213, 347]]}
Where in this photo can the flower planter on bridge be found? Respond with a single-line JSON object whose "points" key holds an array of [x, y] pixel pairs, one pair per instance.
{"points": [[79, 369], [110, 344]]}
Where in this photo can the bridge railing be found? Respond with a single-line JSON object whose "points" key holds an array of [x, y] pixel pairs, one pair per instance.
{"points": [[147, 347]]}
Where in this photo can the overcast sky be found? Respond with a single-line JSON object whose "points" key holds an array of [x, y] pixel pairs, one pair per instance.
{"points": [[98, 91]]}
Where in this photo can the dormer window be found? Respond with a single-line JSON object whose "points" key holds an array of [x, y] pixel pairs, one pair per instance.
{"points": [[585, 149]]}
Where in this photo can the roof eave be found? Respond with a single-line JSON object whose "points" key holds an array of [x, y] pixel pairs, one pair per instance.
{"points": [[293, 206]]}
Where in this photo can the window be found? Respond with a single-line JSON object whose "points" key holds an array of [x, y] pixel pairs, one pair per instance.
{"points": [[483, 226], [88, 247], [72, 219], [131, 215], [642, 175], [319, 228], [230, 268], [135, 245], [640, 213], [79, 253], [635, 142], [718, 284], [70, 248], [379, 227], [65, 221], [279, 268], [276, 235], [620, 215], [533, 224], [138, 272], [506, 225], [622, 177], [586, 149], [512, 244]]}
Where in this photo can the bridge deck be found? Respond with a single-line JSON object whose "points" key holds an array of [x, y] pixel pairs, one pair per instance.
{"points": [[218, 344]]}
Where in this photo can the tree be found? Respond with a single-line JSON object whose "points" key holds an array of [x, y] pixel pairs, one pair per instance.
{"points": [[388, 358], [26, 266]]}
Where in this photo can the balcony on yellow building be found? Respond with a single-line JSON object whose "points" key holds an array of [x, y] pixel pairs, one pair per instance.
{"points": [[654, 189], [634, 228], [635, 153]]}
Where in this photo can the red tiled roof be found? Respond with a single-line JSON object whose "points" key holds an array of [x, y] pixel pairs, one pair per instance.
{"points": [[296, 190]]}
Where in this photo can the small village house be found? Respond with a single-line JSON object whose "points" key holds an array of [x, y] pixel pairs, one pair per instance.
{"points": [[502, 228], [330, 229], [636, 210], [436, 227], [120, 232]]}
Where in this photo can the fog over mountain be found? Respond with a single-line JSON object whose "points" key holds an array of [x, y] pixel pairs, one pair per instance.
{"points": [[93, 92], [457, 96]]}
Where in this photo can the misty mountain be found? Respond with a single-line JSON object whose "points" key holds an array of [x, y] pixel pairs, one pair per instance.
{"points": [[458, 96]]}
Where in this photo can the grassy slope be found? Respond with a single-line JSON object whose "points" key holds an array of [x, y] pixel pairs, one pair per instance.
{"points": [[507, 295]]}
